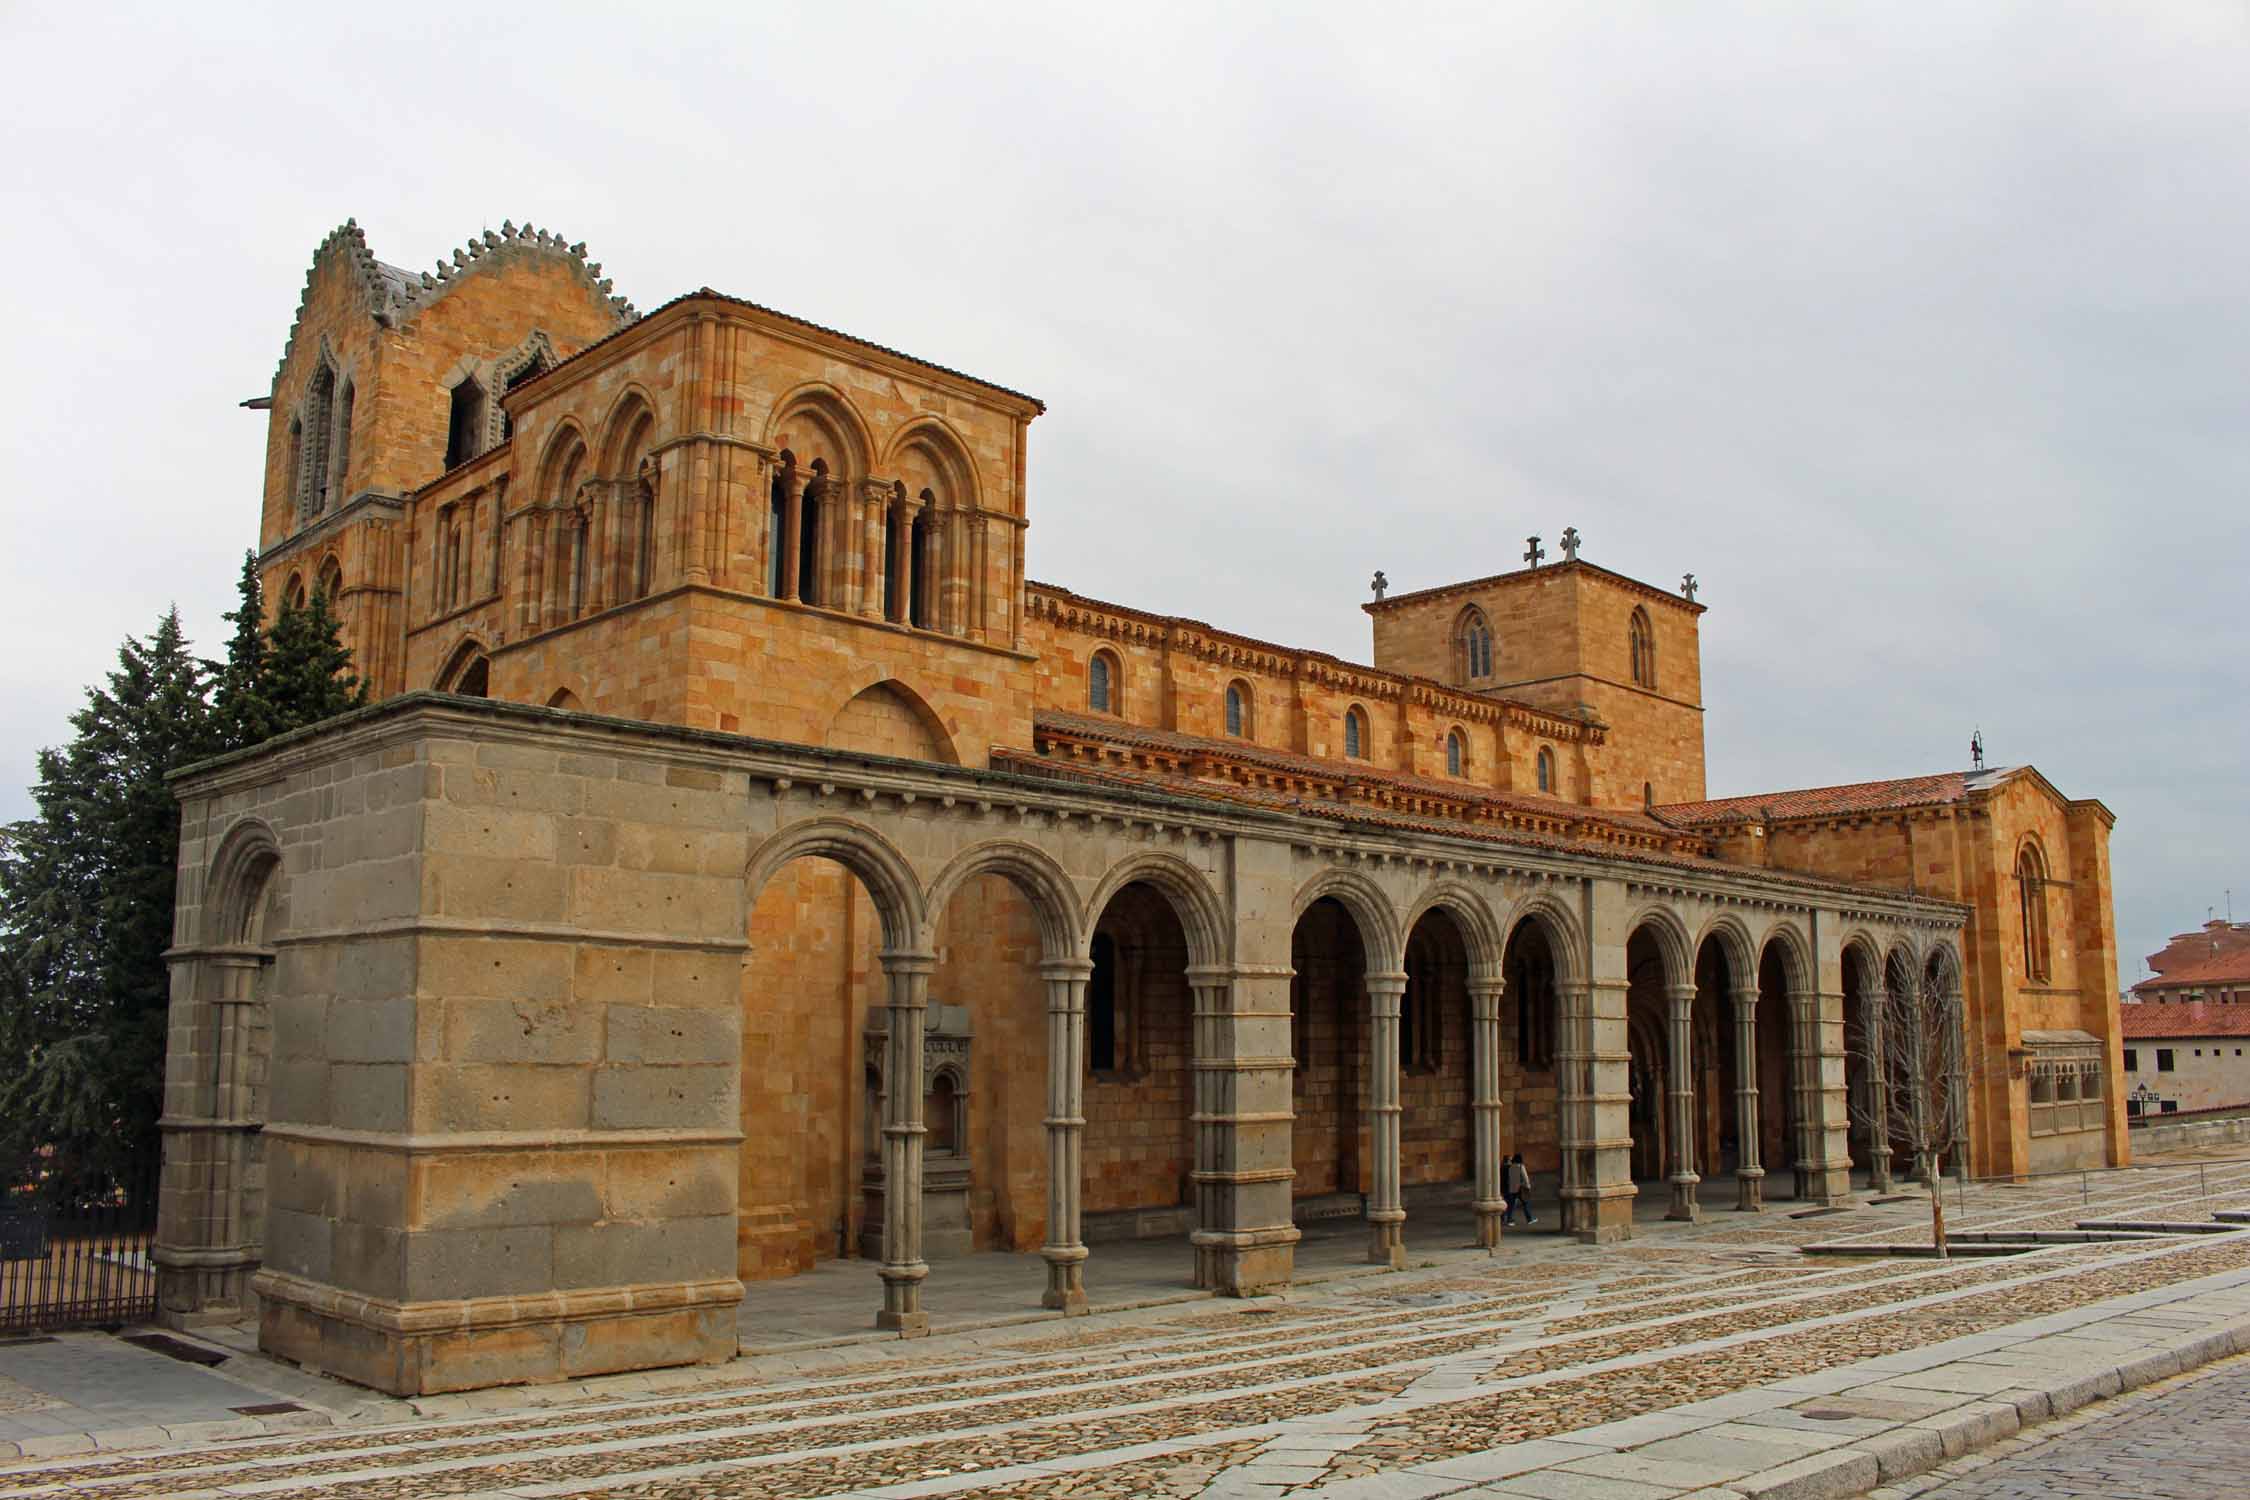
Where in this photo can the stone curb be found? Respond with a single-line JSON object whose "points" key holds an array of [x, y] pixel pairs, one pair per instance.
{"points": [[1902, 1452]]}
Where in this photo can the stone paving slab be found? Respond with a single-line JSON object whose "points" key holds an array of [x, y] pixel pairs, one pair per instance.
{"points": [[1710, 1360]]}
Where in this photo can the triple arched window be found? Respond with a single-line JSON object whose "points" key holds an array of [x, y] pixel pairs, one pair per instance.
{"points": [[1238, 710], [1102, 683], [1456, 753], [1643, 638], [2031, 896], [1472, 645], [1355, 733]]}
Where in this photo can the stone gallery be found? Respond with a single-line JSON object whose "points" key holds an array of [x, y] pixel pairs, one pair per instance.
{"points": [[743, 865]]}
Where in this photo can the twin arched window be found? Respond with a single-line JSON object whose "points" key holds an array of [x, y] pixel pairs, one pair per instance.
{"points": [[1102, 683], [1546, 764], [1472, 645], [1238, 710], [1456, 753], [1355, 733], [2031, 896], [1643, 637]]}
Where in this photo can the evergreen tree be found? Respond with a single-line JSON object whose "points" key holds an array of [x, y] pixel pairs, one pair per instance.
{"points": [[307, 669], [86, 891], [240, 714]]}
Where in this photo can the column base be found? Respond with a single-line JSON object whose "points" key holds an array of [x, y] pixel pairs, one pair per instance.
{"points": [[1750, 1184], [1245, 1262], [1491, 1223], [902, 1300], [1386, 1239], [1066, 1279], [1685, 1209], [1598, 1216], [425, 1348]]}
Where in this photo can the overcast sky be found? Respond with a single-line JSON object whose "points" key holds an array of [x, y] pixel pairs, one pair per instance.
{"points": [[1920, 334]]}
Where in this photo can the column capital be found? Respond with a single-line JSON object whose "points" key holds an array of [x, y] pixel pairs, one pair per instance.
{"points": [[1066, 968], [1386, 982], [1680, 994], [907, 961]]}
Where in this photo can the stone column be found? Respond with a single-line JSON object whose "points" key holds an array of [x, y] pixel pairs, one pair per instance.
{"points": [[956, 604], [1065, 1250], [1680, 1071], [207, 1243], [792, 526], [1957, 1077], [1878, 1091], [1244, 1240], [904, 1270], [1749, 1176], [1386, 1209], [1486, 993], [871, 569], [906, 564]]}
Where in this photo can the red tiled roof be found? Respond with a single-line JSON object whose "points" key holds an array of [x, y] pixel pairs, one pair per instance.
{"points": [[1835, 801], [2194, 1019], [1341, 772], [2229, 967]]}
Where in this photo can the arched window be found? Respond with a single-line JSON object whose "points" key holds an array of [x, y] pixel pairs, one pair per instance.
{"points": [[293, 597], [2031, 894], [330, 584], [1546, 770], [464, 422], [467, 672], [1648, 794], [777, 521], [1472, 645], [1644, 649], [1102, 683], [1456, 753], [1238, 710], [1355, 734], [343, 462], [918, 569], [942, 1111], [809, 550], [320, 422]]}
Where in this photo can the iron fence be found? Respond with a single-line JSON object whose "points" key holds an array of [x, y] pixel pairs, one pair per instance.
{"points": [[75, 1261]]}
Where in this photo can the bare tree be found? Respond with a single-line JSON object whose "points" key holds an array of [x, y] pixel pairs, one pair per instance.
{"points": [[1913, 1046]]}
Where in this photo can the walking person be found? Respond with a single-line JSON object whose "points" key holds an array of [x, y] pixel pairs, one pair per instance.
{"points": [[1515, 1190]]}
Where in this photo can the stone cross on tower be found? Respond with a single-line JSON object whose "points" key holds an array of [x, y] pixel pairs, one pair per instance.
{"points": [[1570, 544], [1381, 583], [1687, 586], [1532, 551]]}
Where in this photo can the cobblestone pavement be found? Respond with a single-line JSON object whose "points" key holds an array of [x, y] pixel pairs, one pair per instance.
{"points": [[2183, 1439], [1706, 1359]]}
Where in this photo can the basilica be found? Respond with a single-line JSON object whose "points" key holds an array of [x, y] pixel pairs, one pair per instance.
{"points": [[744, 866]]}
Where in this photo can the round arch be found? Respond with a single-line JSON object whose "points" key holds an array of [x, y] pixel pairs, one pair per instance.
{"points": [[1559, 928], [1941, 968], [631, 422], [564, 458], [944, 451], [460, 673], [1479, 924], [1188, 890], [1379, 931], [1796, 956], [859, 849], [1735, 944], [828, 409], [1664, 925], [1034, 873], [239, 880]]}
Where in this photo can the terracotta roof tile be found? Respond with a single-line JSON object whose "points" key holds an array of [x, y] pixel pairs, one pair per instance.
{"points": [[2194, 1019], [1836, 801], [2230, 967]]}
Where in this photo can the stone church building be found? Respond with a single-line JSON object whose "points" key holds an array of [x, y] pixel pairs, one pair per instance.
{"points": [[738, 835]]}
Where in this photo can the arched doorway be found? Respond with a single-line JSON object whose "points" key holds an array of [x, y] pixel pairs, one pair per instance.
{"points": [[1866, 1100], [1531, 1019], [1328, 1038], [1437, 1084]]}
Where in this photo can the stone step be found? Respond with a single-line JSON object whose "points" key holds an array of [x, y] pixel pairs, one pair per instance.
{"points": [[2162, 1226]]}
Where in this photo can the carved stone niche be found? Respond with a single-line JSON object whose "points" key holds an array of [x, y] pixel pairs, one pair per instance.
{"points": [[946, 1165]]}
